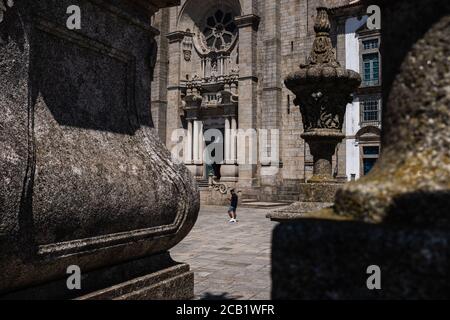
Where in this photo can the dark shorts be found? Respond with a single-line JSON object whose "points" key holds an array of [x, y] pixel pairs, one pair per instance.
{"points": [[233, 209]]}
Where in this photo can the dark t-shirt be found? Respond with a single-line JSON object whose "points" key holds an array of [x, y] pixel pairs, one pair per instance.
{"points": [[234, 200]]}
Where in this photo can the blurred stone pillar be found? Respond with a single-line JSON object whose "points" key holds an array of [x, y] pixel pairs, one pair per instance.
{"points": [[85, 179], [397, 217]]}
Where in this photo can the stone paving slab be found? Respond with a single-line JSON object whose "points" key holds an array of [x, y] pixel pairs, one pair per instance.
{"points": [[230, 261]]}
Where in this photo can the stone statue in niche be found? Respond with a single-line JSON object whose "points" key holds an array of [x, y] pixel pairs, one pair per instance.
{"points": [[187, 46], [214, 70], [187, 55]]}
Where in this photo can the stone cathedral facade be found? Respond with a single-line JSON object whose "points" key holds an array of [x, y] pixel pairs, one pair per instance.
{"points": [[221, 65]]}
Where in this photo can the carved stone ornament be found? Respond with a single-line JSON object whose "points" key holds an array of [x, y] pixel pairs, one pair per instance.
{"points": [[323, 89], [187, 55]]}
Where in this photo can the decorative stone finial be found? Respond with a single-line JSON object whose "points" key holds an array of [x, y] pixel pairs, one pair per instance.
{"points": [[322, 51]]}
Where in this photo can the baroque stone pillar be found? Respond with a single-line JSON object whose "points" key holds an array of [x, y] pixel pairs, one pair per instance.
{"points": [[323, 89], [85, 179]]}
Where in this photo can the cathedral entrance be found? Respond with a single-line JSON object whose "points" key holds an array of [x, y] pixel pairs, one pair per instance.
{"points": [[215, 146]]}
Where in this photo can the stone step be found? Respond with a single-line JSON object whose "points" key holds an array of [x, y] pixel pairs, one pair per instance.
{"points": [[290, 193], [292, 198], [289, 189], [262, 205], [291, 183], [249, 200], [203, 183]]}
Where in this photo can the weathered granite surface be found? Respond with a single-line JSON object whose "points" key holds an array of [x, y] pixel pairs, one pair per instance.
{"points": [[153, 277], [322, 89], [84, 178], [297, 210]]}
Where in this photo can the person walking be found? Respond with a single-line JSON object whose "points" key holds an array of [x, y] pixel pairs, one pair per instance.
{"points": [[233, 206]]}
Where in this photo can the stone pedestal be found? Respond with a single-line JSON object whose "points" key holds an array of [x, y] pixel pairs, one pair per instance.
{"points": [[84, 178], [155, 277], [397, 217], [322, 145], [323, 89]]}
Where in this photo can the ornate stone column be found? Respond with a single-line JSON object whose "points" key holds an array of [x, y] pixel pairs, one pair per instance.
{"points": [[323, 89], [85, 179]]}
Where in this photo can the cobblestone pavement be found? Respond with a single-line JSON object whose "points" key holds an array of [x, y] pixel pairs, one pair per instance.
{"points": [[230, 261]]}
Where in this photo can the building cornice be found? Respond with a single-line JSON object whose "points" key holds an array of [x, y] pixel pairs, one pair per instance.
{"points": [[249, 20], [177, 36], [152, 6]]}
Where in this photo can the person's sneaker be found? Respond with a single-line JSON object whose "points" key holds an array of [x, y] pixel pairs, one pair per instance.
{"points": [[232, 221]]}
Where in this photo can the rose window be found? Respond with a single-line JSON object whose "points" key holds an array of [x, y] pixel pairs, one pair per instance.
{"points": [[220, 31]]}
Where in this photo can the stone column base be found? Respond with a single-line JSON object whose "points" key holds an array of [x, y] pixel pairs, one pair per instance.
{"points": [[318, 192], [156, 277]]}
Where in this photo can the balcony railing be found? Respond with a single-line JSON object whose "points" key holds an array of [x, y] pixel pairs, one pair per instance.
{"points": [[372, 123], [370, 83]]}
